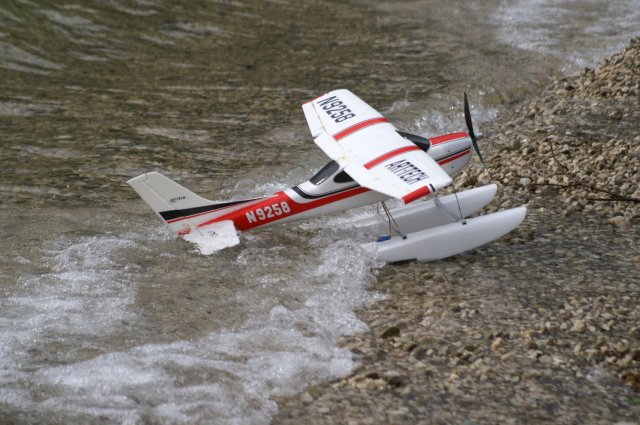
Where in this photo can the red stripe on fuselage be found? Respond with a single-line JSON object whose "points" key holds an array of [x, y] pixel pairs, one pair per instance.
{"points": [[454, 157], [382, 158], [366, 123], [448, 137], [203, 213], [241, 221], [190, 216]]}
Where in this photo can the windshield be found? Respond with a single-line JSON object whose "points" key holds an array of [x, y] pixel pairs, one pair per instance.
{"points": [[326, 172], [342, 177], [422, 143]]}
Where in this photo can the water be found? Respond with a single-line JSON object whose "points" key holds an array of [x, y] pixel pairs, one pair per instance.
{"points": [[104, 315]]}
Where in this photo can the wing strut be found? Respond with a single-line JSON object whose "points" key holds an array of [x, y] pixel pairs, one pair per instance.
{"points": [[391, 219]]}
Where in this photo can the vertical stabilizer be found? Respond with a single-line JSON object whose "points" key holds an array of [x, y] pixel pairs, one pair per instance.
{"points": [[181, 209], [168, 199]]}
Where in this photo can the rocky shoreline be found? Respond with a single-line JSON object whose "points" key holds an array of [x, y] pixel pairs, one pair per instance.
{"points": [[580, 138], [542, 326]]}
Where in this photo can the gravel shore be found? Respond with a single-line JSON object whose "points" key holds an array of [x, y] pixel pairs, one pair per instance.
{"points": [[542, 326]]}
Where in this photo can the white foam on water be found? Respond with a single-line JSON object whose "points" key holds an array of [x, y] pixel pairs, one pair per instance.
{"points": [[440, 114], [83, 293], [300, 300], [581, 34], [81, 286]]}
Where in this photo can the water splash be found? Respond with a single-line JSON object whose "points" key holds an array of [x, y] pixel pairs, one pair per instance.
{"points": [[303, 303]]}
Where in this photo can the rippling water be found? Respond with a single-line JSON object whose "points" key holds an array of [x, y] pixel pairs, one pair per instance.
{"points": [[104, 316]]}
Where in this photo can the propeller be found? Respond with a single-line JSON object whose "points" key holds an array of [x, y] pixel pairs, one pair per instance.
{"points": [[472, 135]]}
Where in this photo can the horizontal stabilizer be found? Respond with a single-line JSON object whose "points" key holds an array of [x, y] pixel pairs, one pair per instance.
{"points": [[214, 237]]}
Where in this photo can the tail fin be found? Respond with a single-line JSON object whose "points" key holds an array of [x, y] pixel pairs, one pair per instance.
{"points": [[177, 206]]}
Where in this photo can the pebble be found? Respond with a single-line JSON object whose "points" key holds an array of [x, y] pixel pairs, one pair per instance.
{"points": [[390, 332], [496, 344], [620, 221], [546, 359]]}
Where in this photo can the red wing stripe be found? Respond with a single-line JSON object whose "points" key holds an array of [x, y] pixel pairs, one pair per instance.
{"points": [[454, 157], [416, 194], [448, 137], [366, 123], [382, 158]]}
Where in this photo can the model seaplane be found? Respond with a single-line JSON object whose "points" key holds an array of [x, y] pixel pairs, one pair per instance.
{"points": [[370, 162]]}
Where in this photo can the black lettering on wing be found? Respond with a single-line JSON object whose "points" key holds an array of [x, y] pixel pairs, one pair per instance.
{"points": [[327, 100], [406, 171]]}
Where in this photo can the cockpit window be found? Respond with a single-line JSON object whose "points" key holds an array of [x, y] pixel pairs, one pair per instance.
{"points": [[421, 142], [326, 172], [342, 177]]}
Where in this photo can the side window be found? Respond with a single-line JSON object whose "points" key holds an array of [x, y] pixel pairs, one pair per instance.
{"points": [[421, 142], [326, 172], [342, 177]]}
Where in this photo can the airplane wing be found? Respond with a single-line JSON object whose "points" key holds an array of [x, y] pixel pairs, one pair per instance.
{"points": [[361, 140]]}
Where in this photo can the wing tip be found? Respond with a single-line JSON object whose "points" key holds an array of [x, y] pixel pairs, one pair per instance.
{"points": [[416, 194], [314, 99]]}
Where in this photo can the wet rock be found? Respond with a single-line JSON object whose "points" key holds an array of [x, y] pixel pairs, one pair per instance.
{"points": [[390, 332], [395, 379], [616, 115], [620, 221], [545, 359], [484, 178], [511, 355], [496, 344]]}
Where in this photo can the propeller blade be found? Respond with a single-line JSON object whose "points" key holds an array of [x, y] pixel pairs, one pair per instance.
{"points": [[472, 135], [467, 117]]}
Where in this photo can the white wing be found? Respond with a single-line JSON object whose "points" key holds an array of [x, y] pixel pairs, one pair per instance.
{"points": [[361, 140]]}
